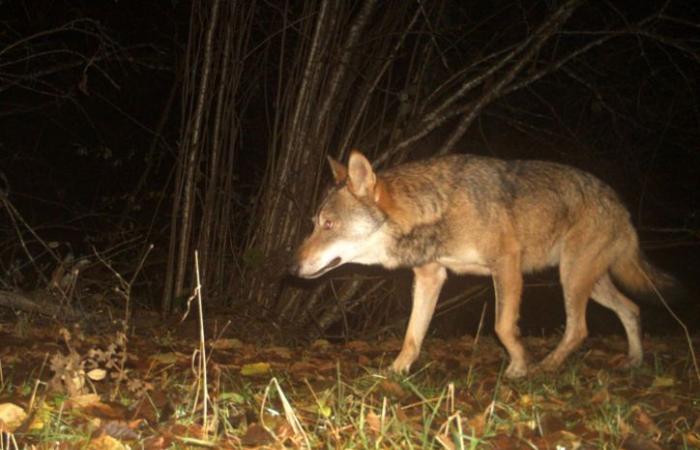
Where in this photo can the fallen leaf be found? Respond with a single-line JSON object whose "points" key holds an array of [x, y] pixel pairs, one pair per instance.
{"points": [[639, 443], [97, 374], [109, 411], [601, 396], [256, 435], [477, 424], [320, 344], [226, 344], [559, 439], [166, 358], [120, 429], [11, 417], [551, 423], [105, 442], [282, 352], [232, 397], [392, 389], [324, 410], [644, 423], [358, 346], [303, 366], [259, 368], [157, 442], [525, 400], [82, 401], [363, 360], [504, 442], [42, 416], [693, 438], [374, 423], [663, 382]]}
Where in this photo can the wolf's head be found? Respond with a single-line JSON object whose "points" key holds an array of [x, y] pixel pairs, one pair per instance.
{"points": [[347, 225]]}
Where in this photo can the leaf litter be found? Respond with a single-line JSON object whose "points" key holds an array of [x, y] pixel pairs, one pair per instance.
{"points": [[112, 390]]}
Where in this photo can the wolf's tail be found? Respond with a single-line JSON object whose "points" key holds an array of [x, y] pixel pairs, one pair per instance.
{"points": [[634, 275]]}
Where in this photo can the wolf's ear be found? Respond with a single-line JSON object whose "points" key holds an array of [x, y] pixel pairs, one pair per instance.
{"points": [[340, 173], [362, 177]]}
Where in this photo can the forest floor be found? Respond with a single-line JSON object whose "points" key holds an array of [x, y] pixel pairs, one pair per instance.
{"points": [[101, 387]]}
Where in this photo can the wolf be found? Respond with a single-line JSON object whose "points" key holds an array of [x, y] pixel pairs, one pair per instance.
{"points": [[485, 216]]}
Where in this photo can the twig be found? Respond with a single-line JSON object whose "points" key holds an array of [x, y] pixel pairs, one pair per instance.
{"points": [[676, 318], [124, 289], [289, 413], [16, 217], [45, 307], [202, 347], [476, 343]]}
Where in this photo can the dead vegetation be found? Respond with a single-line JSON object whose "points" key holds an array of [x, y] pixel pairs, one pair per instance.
{"points": [[109, 390]]}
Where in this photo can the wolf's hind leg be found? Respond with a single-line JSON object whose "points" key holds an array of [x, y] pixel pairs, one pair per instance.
{"points": [[428, 281], [579, 272], [605, 293]]}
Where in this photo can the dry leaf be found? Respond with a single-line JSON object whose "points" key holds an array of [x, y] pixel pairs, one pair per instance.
{"points": [[663, 382], [82, 401], [97, 374], [105, 442], [693, 438], [304, 367], [601, 396], [11, 417], [282, 352], [166, 358], [526, 400], [226, 344], [639, 443], [477, 424], [358, 346], [42, 416], [644, 423], [363, 360], [320, 344], [392, 389], [259, 368], [374, 423], [120, 429], [551, 423], [256, 435]]}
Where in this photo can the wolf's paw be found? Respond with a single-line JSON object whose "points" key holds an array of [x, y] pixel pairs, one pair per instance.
{"points": [[549, 364], [516, 369], [402, 363], [626, 362]]}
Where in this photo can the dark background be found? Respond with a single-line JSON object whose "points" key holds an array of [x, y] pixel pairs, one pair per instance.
{"points": [[91, 120]]}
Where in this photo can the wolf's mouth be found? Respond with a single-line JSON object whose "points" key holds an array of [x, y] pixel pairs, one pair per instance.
{"points": [[334, 262]]}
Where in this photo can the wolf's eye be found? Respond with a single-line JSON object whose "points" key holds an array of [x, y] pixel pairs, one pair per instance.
{"points": [[327, 224]]}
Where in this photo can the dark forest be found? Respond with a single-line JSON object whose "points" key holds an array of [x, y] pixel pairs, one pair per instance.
{"points": [[160, 162]]}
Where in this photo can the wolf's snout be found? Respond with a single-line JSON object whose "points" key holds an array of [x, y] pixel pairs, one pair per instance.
{"points": [[294, 268], [304, 269]]}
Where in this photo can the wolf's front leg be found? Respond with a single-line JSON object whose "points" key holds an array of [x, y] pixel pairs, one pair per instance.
{"points": [[428, 281], [508, 284]]}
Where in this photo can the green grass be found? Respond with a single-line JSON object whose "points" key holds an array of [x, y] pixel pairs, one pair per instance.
{"points": [[335, 396]]}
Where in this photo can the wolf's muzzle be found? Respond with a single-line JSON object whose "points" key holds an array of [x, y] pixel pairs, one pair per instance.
{"points": [[296, 269], [293, 268]]}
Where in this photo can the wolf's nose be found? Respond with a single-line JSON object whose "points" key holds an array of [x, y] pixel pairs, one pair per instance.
{"points": [[293, 268]]}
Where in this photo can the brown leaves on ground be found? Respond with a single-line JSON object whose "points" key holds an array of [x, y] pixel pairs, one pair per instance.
{"points": [[108, 390]]}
